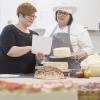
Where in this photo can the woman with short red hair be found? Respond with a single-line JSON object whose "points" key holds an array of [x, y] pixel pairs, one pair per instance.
{"points": [[16, 41]]}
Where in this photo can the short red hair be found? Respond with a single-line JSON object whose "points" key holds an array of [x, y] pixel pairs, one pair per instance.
{"points": [[26, 9]]}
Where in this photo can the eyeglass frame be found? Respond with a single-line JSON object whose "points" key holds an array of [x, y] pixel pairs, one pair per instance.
{"points": [[30, 16], [59, 12]]}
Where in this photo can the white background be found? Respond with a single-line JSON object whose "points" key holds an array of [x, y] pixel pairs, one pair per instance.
{"points": [[88, 13]]}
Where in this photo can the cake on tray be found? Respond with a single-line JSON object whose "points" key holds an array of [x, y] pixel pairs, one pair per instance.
{"points": [[61, 52]]}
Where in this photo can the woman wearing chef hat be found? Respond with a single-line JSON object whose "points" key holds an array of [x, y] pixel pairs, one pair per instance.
{"points": [[72, 34]]}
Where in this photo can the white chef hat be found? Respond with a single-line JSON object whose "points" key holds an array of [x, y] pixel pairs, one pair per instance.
{"points": [[66, 6]]}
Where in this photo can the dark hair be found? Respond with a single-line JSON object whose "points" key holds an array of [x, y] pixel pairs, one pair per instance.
{"points": [[70, 18]]}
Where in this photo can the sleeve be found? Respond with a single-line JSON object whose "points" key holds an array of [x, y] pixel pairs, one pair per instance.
{"points": [[33, 32], [85, 42], [7, 39]]}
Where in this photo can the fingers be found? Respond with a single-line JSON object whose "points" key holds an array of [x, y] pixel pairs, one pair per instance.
{"points": [[78, 55], [74, 56], [39, 56]]}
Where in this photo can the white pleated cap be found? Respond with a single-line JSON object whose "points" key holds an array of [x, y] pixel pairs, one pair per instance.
{"points": [[66, 6]]}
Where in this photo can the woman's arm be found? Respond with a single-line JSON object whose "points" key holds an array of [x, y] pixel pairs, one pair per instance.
{"points": [[85, 45], [85, 42], [16, 51]]}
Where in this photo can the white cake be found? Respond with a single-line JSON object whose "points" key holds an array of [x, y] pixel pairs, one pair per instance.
{"points": [[92, 63], [62, 52]]}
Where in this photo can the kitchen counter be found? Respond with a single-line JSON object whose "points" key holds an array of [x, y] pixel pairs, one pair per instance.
{"points": [[68, 95], [31, 80]]}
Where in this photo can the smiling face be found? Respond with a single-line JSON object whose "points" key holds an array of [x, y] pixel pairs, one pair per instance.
{"points": [[62, 18]]}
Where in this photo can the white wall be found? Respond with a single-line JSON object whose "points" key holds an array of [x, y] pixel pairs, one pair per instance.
{"points": [[8, 11], [88, 12]]}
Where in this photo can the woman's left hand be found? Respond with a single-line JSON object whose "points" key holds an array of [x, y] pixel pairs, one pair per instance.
{"points": [[78, 55], [39, 56]]}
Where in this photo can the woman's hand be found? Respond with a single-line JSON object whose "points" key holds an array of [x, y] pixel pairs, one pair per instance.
{"points": [[79, 55], [39, 56]]}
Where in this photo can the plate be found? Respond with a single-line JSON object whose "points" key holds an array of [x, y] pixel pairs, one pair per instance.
{"points": [[9, 75], [57, 57]]}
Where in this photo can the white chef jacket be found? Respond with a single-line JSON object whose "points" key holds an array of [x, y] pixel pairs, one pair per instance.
{"points": [[79, 36]]}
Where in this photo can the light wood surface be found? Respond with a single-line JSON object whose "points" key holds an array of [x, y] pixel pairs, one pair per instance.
{"points": [[32, 80], [68, 95]]}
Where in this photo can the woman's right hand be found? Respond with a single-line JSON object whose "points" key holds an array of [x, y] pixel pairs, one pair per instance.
{"points": [[79, 55], [39, 56]]}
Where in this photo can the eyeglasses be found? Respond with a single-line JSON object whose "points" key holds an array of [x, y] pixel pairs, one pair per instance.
{"points": [[31, 17], [62, 13]]}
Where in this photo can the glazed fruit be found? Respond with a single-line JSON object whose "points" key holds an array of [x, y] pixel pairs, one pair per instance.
{"points": [[79, 74], [87, 73]]}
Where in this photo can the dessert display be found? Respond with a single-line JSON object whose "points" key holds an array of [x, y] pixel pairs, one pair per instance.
{"points": [[92, 60], [86, 91], [63, 66], [83, 73], [62, 52], [13, 87], [92, 63], [53, 86], [47, 86], [87, 73], [50, 79], [32, 87], [79, 74], [49, 73], [89, 91]]}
